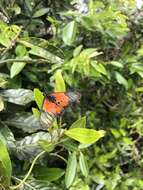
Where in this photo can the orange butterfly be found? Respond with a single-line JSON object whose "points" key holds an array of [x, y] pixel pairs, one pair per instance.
{"points": [[54, 105]]}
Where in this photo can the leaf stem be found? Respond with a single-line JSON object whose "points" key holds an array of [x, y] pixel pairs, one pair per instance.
{"points": [[62, 158], [26, 184]]}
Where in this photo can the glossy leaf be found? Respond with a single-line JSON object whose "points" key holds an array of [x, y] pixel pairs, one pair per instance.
{"points": [[9, 137], [85, 136], [69, 33], [18, 96], [24, 121], [71, 170], [29, 147]]}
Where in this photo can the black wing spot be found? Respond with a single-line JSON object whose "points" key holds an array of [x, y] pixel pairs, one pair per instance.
{"points": [[51, 98]]}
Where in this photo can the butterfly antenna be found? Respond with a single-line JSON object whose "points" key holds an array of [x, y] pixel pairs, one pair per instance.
{"points": [[45, 92]]}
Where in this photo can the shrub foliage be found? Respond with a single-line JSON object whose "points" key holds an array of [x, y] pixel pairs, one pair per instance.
{"points": [[94, 47]]}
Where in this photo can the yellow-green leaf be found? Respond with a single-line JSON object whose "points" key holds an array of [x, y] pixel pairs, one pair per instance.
{"points": [[59, 82], [38, 96], [47, 146], [85, 136], [79, 123], [5, 162], [36, 112]]}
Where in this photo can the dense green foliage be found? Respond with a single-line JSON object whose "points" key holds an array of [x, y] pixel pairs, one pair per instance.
{"points": [[94, 47]]}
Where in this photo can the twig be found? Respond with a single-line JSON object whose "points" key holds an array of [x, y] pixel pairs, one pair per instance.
{"points": [[29, 172]]}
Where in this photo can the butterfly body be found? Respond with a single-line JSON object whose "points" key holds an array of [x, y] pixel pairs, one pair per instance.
{"points": [[54, 105]]}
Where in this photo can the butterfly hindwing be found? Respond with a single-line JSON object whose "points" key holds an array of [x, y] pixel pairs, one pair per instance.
{"points": [[46, 119]]}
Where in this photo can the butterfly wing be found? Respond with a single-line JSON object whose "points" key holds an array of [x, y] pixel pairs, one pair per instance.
{"points": [[54, 105], [49, 112]]}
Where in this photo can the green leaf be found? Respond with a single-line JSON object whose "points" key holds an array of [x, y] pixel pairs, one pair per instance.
{"points": [[29, 147], [69, 33], [140, 51], [24, 121], [83, 146], [40, 12], [19, 96], [40, 52], [85, 136], [91, 52], [38, 96], [99, 67], [48, 174], [16, 68], [47, 146], [16, 9], [21, 50], [70, 145], [36, 112], [8, 136], [5, 162], [121, 80], [71, 170], [59, 82], [79, 123], [139, 89], [77, 50], [116, 64], [83, 164], [1, 104]]}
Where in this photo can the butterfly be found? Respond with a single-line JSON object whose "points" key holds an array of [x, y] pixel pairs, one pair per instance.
{"points": [[54, 105]]}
